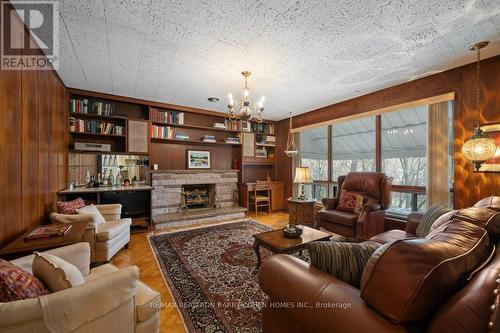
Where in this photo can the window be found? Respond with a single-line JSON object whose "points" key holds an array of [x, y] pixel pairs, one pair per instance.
{"points": [[404, 146], [314, 152], [413, 145], [353, 146], [404, 156]]}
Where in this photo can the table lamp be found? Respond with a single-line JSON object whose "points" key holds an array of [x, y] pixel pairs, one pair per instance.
{"points": [[302, 176]]}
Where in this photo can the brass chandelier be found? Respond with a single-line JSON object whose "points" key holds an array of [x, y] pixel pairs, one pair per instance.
{"points": [[479, 147], [244, 108]]}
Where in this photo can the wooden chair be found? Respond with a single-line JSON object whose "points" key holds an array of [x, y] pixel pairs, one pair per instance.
{"points": [[261, 196]]}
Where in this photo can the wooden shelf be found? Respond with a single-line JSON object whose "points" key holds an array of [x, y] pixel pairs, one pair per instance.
{"points": [[98, 135], [96, 116], [258, 161], [106, 152], [196, 127], [265, 145], [193, 142]]}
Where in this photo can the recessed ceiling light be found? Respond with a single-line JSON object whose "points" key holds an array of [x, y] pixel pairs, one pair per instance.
{"points": [[213, 99]]}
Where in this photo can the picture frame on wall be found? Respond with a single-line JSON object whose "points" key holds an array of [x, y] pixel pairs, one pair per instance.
{"points": [[493, 164], [199, 159]]}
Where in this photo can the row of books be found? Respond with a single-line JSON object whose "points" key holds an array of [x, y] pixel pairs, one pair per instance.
{"points": [[167, 117], [263, 128], [232, 140], [162, 132], [91, 107], [208, 138], [94, 127]]}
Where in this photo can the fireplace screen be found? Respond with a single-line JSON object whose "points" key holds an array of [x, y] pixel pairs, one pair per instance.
{"points": [[197, 196]]}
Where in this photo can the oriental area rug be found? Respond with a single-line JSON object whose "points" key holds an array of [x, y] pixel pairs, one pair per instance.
{"points": [[211, 274]]}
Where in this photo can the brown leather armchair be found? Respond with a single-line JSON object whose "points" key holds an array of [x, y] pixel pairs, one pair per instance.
{"points": [[376, 187]]}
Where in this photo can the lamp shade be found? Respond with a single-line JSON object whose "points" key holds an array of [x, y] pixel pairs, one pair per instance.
{"points": [[478, 148], [302, 175]]}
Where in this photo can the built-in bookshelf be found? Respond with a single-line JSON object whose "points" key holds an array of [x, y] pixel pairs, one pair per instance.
{"points": [[171, 131]]}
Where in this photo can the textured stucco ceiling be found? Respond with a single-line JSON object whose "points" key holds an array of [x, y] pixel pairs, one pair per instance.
{"points": [[302, 54]]}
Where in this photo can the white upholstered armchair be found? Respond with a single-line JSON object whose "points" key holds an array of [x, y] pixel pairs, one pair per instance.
{"points": [[105, 239], [110, 300]]}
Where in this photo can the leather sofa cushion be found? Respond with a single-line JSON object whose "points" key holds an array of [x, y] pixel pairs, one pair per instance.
{"points": [[407, 280], [469, 309], [430, 216], [491, 202], [391, 236], [340, 217], [111, 229], [483, 217]]}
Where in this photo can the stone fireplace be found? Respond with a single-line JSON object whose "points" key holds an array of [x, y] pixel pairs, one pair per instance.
{"points": [[184, 197], [197, 196]]}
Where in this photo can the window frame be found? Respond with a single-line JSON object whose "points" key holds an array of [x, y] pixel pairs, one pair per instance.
{"points": [[331, 184]]}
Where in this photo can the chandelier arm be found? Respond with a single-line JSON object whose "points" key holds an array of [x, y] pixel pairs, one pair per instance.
{"points": [[478, 87]]}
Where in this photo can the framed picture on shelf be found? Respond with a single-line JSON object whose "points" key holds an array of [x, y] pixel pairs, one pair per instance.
{"points": [[493, 164], [198, 159]]}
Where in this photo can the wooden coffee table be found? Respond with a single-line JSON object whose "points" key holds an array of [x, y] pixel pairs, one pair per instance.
{"points": [[276, 242], [21, 246]]}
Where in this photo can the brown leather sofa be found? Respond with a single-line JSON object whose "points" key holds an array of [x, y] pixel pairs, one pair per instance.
{"points": [[376, 187], [453, 294]]}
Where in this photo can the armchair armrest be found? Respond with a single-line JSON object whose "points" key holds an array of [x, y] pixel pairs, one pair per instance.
{"points": [[412, 222], [330, 203], [77, 254], [71, 308], [65, 218], [367, 208], [110, 212], [316, 300]]}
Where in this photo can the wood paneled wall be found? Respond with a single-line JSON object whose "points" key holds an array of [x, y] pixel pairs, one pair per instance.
{"points": [[469, 186], [283, 162], [33, 145]]}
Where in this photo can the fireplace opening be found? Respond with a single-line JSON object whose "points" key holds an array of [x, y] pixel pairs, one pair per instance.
{"points": [[197, 196]]}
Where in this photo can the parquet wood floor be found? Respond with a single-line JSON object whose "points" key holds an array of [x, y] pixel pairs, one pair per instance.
{"points": [[139, 253]]}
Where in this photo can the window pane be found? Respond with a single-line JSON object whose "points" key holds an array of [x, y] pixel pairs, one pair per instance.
{"points": [[353, 146], [403, 203], [314, 152], [404, 146], [316, 191]]}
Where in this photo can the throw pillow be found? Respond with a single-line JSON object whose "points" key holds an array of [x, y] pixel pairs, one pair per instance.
{"points": [[350, 201], [430, 216], [92, 210], [344, 260], [70, 207], [56, 273], [17, 284]]}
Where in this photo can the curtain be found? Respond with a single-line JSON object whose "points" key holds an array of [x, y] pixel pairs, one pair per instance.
{"points": [[296, 162], [438, 155]]}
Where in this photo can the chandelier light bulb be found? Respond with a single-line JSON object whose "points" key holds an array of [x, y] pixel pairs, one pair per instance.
{"points": [[244, 107]]}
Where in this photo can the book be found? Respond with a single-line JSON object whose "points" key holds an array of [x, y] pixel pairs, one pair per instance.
{"points": [[46, 231]]}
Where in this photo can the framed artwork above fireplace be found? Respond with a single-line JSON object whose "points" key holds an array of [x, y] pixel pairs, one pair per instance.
{"points": [[198, 159]]}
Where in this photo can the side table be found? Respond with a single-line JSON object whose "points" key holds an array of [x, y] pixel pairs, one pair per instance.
{"points": [[301, 211]]}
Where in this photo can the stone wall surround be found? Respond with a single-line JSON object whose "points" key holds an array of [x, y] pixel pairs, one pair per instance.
{"points": [[167, 186]]}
